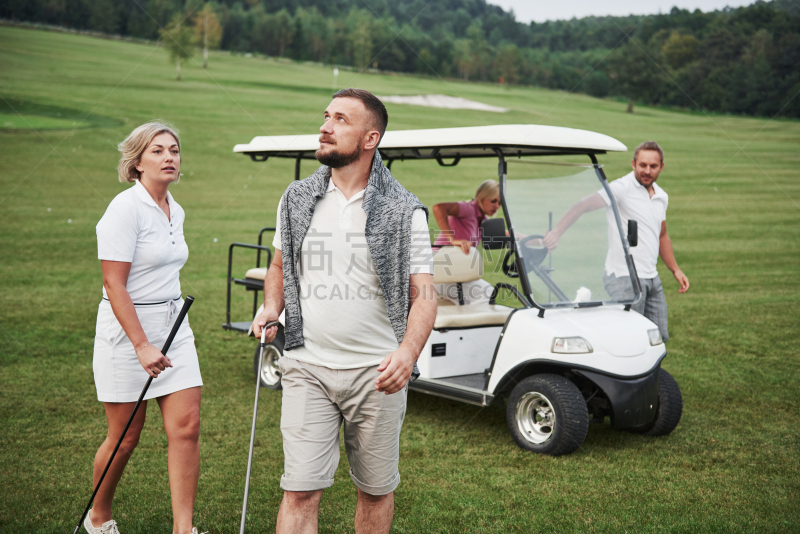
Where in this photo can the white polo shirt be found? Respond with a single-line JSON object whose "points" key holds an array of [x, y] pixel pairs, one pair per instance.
{"points": [[635, 203], [135, 230], [345, 320]]}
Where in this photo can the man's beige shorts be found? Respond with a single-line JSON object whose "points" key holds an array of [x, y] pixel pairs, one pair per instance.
{"points": [[316, 401]]}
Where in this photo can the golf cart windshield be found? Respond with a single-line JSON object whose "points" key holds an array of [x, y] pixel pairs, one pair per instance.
{"points": [[581, 270]]}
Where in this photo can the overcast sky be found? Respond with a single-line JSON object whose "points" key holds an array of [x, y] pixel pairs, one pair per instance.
{"points": [[540, 11]]}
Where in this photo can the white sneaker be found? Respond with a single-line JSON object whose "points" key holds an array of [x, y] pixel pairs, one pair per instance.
{"points": [[109, 527], [194, 531]]}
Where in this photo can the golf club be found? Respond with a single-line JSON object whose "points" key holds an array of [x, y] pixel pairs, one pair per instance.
{"points": [[261, 348], [181, 315]]}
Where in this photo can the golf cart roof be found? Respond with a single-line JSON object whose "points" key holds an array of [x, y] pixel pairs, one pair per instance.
{"points": [[456, 143]]}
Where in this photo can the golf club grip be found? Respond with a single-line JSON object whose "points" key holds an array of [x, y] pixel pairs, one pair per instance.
{"points": [[178, 320], [175, 327]]}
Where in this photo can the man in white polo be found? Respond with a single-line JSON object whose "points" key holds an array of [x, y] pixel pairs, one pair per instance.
{"points": [[352, 270], [638, 198]]}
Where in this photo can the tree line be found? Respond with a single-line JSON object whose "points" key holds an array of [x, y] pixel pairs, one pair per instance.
{"points": [[738, 60]]}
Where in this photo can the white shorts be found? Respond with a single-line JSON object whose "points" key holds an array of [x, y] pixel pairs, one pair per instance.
{"points": [[118, 375]]}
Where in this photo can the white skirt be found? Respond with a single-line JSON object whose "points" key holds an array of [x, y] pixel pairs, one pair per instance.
{"points": [[118, 375]]}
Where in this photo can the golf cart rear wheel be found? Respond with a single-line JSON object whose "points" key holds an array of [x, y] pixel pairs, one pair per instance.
{"points": [[270, 373], [669, 409], [547, 414]]}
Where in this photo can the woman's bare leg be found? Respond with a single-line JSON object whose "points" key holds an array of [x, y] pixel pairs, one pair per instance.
{"points": [[117, 414], [181, 413]]}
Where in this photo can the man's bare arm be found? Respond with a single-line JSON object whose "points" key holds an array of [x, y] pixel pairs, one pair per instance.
{"points": [[396, 368], [667, 254], [591, 203], [422, 314], [273, 298]]}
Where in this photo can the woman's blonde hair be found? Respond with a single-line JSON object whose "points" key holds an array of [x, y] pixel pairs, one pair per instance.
{"points": [[488, 189], [136, 143]]}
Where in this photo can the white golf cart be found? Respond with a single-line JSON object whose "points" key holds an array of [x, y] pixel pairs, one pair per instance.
{"points": [[572, 353]]}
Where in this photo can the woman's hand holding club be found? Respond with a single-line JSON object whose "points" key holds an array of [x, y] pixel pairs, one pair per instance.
{"points": [[152, 360]]}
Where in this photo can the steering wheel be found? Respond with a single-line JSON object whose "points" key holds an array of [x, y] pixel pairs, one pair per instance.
{"points": [[536, 255]]}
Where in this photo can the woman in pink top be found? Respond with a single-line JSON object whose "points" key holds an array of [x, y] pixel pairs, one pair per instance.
{"points": [[460, 223]]}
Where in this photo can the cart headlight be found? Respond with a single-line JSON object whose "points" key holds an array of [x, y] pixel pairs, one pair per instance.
{"points": [[655, 336], [571, 345]]}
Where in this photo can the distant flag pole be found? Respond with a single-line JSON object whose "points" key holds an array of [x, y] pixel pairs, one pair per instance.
{"points": [[335, 75]]}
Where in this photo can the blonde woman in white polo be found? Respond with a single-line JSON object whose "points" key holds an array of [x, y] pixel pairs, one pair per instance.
{"points": [[141, 247]]}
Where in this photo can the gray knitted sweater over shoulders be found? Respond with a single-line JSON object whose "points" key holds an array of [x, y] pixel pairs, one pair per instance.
{"points": [[389, 208]]}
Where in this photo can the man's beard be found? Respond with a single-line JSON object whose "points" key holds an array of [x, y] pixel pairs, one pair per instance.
{"points": [[336, 159], [640, 177]]}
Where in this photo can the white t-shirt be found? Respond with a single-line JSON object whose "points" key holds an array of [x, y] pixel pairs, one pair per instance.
{"points": [[634, 203], [345, 321], [135, 230]]}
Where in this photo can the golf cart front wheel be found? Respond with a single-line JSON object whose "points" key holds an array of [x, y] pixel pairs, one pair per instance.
{"points": [[547, 414], [669, 409], [270, 372]]}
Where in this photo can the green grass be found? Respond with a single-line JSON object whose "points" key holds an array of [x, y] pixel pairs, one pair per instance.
{"points": [[35, 122], [734, 217]]}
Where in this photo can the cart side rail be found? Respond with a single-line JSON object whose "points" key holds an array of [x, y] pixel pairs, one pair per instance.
{"points": [[259, 248]]}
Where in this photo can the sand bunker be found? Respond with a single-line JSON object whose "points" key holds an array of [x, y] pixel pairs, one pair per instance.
{"points": [[442, 101]]}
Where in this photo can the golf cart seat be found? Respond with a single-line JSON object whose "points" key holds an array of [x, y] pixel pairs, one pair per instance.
{"points": [[256, 274], [253, 280], [451, 265]]}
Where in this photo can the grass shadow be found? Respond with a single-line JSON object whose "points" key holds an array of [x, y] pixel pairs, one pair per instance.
{"points": [[60, 118], [320, 91]]}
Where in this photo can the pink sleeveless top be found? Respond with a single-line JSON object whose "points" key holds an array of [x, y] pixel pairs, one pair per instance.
{"points": [[466, 226]]}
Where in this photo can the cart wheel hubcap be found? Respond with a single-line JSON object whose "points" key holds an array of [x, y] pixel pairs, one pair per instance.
{"points": [[536, 418], [270, 373]]}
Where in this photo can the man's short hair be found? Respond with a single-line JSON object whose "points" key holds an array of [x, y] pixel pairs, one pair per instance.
{"points": [[373, 104], [648, 145]]}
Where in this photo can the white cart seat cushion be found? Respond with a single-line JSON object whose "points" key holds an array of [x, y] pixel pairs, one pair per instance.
{"points": [[451, 265], [257, 274], [479, 314]]}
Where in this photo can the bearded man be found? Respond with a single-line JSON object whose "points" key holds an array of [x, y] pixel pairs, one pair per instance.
{"points": [[640, 199], [353, 272]]}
